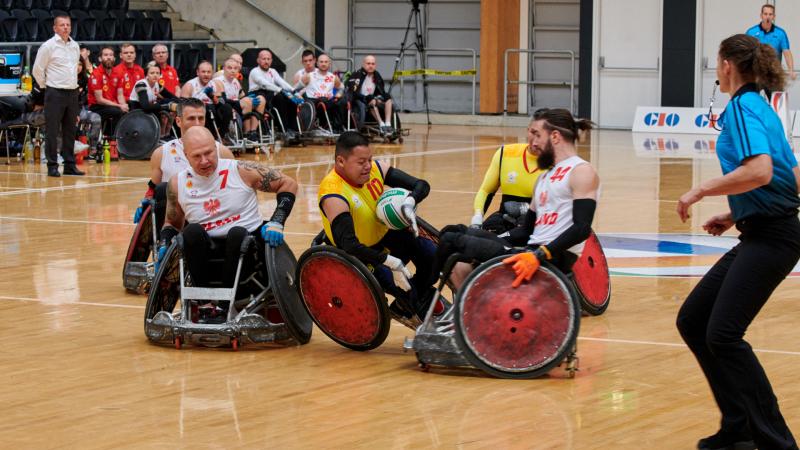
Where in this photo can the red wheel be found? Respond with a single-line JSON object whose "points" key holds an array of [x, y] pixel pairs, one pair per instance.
{"points": [[343, 298], [591, 277], [516, 332], [178, 342]]}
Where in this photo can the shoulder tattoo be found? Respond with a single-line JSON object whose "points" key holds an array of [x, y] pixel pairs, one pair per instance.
{"points": [[267, 174]]}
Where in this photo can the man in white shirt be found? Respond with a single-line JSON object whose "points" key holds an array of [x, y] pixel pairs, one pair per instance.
{"points": [[323, 86], [309, 65], [266, 81], [55, 68]]}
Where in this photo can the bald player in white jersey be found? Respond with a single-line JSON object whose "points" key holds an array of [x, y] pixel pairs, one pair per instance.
{"points": [[169, 159], [217, 198], [561, 212]]}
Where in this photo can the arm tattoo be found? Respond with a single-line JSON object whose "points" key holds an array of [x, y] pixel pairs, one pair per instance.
{"points": [[172, 207], [268, 174]]}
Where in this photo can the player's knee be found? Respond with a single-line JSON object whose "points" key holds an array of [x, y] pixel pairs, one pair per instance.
{"points": [[193, 234]]}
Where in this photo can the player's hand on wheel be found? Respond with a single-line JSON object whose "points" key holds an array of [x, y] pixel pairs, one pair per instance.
{"points": [[525, 264], [399, 272], [409, 211], [272, 232]]}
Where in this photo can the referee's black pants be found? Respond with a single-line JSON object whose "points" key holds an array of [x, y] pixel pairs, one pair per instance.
{"points": [[61, 110], [715, 317]]}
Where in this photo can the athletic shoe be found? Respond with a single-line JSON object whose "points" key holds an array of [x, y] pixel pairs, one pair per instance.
{"points": [[402, 313], [724, 440]]}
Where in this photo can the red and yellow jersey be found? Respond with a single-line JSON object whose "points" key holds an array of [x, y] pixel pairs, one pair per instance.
{"points": [[362, 200], [125, 77], [169, 79], [101, 81]]}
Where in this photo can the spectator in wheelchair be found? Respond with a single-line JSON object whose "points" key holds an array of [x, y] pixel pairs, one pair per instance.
{"points": [[323, 86], [102, 96], [560, 215], [228, 83], [217, 198], [348, 198], [309, 65], [514, 172], [218, 113], [266, 82], [169, 76], [367, 91], [169, 159]]}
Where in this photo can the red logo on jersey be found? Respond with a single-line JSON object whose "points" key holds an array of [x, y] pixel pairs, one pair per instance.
{"points": [[547, 219], [211, 206], [543, 198], [561, 172]]}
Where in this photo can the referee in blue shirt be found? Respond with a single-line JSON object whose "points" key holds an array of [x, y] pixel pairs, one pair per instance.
{"points": [[769, 33], [760, 178]]}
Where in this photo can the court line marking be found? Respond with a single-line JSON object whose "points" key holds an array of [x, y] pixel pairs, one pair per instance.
{"points": [[70, 187], [42, 174], [607, 340], [128, 224]]}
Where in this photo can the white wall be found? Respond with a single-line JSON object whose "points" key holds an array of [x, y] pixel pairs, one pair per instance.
{"points": [[235, 19]]}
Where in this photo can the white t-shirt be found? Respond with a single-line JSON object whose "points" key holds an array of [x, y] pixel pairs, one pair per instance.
{"points": [[220, 201], [320, 85], [554, 203], [152, 91], [368, 85], [267, 79], [173, 159], [197, 90], [231, 88]]}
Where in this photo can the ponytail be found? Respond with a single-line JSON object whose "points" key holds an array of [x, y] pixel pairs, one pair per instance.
{"points": [[755, 62], [562, 120]]}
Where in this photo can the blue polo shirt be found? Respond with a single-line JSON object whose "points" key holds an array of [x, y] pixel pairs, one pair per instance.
{"points": [[775, 37], [749, 128]]}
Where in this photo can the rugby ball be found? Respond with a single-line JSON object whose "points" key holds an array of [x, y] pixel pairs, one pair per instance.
{"points": [[389, 209]]}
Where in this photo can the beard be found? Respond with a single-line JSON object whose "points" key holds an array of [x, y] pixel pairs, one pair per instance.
{"points": [[108, 64], [547, 157]]}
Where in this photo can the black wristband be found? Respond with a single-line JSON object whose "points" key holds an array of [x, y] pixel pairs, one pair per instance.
{"points": [[284, 208]]}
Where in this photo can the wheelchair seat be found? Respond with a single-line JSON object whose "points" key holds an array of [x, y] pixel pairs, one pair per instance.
{"points": [[262, 306]]}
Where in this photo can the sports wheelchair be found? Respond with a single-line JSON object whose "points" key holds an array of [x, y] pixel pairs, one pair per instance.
{"points": [[139, 268], [261, 307], [371, 128], [315, 125], [505, 332]]}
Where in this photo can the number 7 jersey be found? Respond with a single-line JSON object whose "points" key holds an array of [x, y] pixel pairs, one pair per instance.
{"points": [[220, 201], [554, 198], [362, 200]]}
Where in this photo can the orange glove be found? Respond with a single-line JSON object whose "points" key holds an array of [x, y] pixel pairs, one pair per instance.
{"points": [[525, 265]]}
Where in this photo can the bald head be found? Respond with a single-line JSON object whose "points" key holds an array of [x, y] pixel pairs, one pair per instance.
{"points": [[201, 150], [369, 64]]}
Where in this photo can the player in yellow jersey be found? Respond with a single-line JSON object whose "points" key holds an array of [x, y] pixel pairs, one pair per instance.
{"points": [[348, 197], [514, 171]]}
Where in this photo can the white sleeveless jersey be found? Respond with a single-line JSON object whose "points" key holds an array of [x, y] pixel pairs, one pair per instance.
{"points": [[320, 85], [554, 203], [231, 88], [173, 160], [197, 90], [219, 202], [152, 92]]}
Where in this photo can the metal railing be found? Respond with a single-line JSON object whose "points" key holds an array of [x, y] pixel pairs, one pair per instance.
{"points": [[170, 44], [506, 81], [435, 51]]}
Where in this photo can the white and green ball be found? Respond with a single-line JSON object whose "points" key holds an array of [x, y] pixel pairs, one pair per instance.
{"points": [[389, 208]]}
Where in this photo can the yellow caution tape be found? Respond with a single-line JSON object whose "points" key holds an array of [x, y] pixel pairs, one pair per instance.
{"points": [[446, 73]]}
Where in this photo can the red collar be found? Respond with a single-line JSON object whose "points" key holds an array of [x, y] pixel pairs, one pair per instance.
{"points": [[525, 162]]}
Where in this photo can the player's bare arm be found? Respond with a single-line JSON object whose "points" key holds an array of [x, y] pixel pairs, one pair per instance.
{"points": [[266, 179], [175, 216]]}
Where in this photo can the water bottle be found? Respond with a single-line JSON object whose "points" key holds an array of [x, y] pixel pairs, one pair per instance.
{"points": [[26, 82], [27, 151], [106, 151]]}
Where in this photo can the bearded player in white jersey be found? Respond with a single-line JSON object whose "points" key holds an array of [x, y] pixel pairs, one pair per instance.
{"points": [[560, 216], [217, 198], [169, 158]]}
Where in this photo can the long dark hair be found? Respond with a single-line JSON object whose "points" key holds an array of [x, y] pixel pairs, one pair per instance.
{"points": [[562, 120], [756, 62]]}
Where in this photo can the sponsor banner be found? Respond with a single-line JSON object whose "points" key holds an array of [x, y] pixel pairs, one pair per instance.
{"points": [[656, 119]]}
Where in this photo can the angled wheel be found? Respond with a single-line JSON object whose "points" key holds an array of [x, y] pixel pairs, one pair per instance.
{"points": [[140, 250], [281, 269], [306, 116], [516, 333], [343, 298], [166, 289], [591, 277], [137, 135]]}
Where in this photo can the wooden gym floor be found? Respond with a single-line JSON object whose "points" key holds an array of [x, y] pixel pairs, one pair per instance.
{"points": [[78, 371]]}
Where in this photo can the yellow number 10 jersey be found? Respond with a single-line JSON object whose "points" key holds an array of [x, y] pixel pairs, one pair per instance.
{"points": [[363, 201]]}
